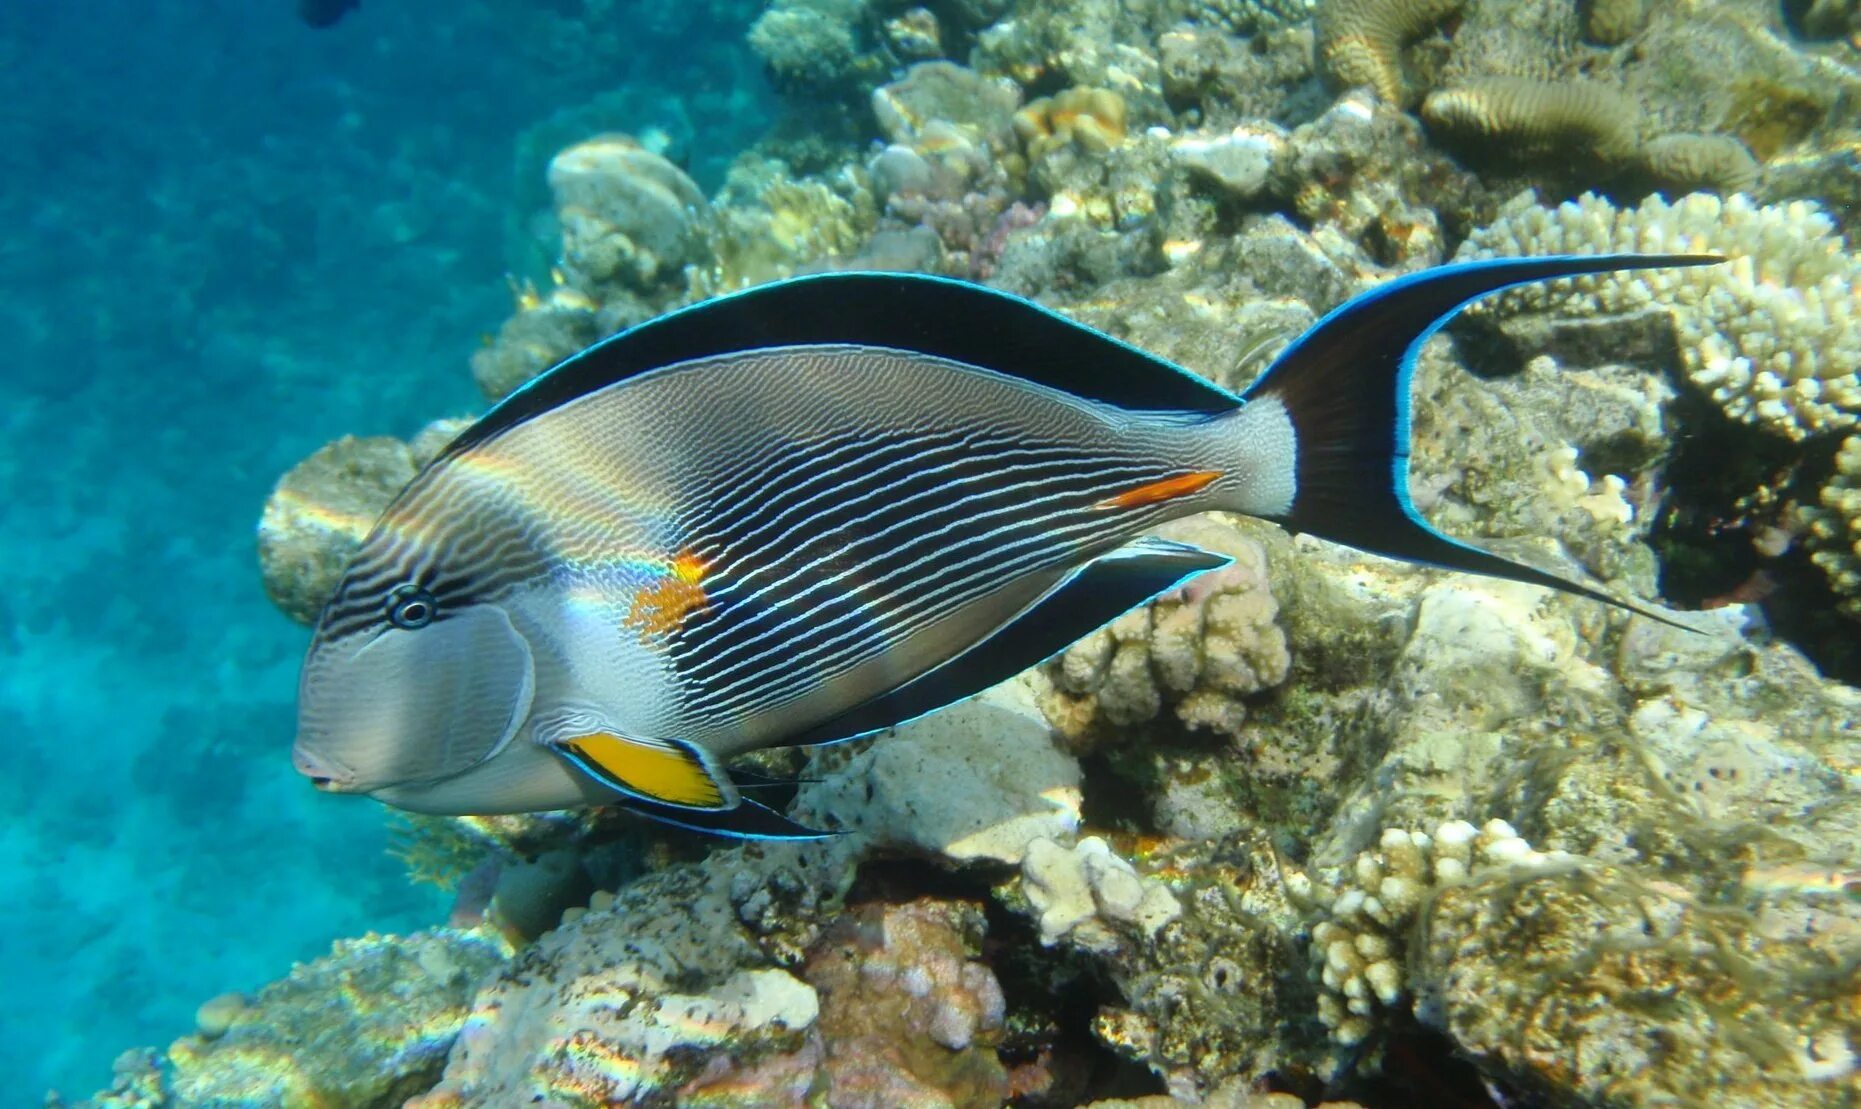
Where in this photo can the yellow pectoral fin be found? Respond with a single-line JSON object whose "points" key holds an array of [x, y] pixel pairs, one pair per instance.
{"points": [[674, 773]]}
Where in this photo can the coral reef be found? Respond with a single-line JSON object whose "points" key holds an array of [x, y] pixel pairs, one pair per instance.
{"points": [[1774, 335], [1199, 653], [1832, 526], [1530, 120], [369, 1024], [1360, 41], [1186, 849], [321, 510]]}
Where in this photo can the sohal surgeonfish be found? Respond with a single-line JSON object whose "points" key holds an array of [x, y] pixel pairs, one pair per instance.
{"points": [[817, 509]]}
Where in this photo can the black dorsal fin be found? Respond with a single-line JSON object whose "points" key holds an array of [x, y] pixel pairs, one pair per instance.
{"points": [[938, 316]]}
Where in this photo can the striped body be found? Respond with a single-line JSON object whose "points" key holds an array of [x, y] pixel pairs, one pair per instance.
{"points": [[818, 509], [734, 550]]}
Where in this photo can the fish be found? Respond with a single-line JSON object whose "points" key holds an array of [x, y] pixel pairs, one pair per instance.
{"points": [[323, 14], [822, 507]]}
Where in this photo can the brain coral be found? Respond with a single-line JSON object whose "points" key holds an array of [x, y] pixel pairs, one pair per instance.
{"points": [[1360, 41], [1774, 335], [1522, 119]]}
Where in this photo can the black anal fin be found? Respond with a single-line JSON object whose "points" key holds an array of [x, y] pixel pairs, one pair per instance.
{"points": [[748, 820], [1084, 601]]}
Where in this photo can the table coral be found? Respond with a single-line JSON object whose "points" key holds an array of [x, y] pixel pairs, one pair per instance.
{"points": [[1774, 335]]}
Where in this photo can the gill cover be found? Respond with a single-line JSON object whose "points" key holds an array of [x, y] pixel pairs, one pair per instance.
{"points": [[415, 705]]}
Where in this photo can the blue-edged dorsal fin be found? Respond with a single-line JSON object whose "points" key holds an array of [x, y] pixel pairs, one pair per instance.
{"points": [[937, 316], [1084, 601]]}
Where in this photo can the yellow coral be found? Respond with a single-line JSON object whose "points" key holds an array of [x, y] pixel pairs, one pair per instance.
{"points": [[1360, 41], [1093, 118]]}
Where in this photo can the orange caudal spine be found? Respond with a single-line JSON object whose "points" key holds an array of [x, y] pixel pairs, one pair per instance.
{"points": [[1170, 488]]}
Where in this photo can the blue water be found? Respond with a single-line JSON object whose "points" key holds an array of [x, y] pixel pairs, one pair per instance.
{"points": [[226, 239]]}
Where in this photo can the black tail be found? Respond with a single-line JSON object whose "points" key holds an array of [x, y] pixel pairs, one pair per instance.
{"points": [[1345, 387]]}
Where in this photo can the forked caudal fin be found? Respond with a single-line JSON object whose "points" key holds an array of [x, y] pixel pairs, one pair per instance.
{"points": [[1344, 388]]}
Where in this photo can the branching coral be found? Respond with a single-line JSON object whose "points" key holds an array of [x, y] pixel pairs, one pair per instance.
{"points": [[1358, 944], [1524, 120], [1360, 41], [1197, 652], [1832, 526], [1774, 335]]}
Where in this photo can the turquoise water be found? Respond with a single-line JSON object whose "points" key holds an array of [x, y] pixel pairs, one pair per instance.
{"points": [[230, 238]]}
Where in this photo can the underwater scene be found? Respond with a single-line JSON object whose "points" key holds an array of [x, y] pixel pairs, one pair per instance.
{"points": [[1237, 553]]}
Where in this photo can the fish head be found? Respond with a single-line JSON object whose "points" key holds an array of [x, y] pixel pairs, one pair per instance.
{"points": [[406, 684]]}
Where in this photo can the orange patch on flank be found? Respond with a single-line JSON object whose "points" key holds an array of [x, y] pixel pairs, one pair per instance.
{"points": [[662, 606], [665, 773], [1166, 490]]}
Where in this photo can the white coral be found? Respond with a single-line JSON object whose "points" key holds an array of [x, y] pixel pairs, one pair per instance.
{"points": [[1774, 335], [1832, 526], [1357, 945], [1083, 891]]}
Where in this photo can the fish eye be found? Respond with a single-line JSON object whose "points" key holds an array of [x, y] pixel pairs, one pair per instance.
{"points": [[410, 606]]}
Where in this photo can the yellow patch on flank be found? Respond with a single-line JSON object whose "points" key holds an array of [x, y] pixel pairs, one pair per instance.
{"points": [[663, 773], [1168, 489], [661, 607]]}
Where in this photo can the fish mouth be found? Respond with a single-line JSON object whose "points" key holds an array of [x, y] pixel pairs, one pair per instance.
{"points": [[324, 777]]}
